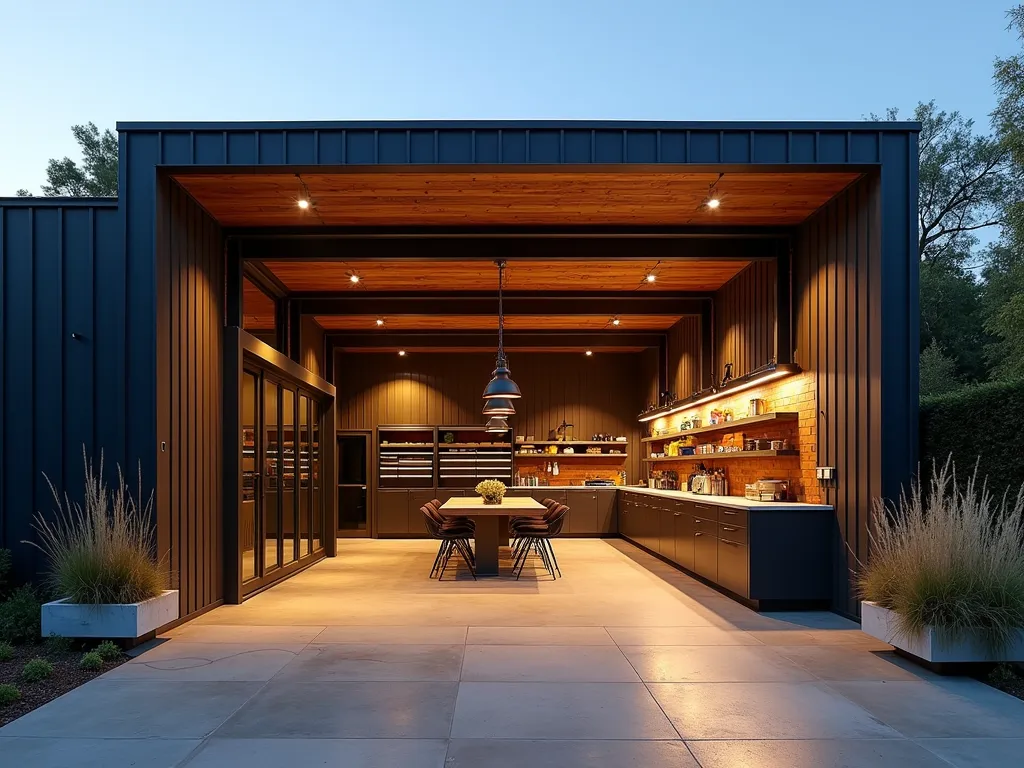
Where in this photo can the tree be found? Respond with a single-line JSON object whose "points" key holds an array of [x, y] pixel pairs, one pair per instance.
{"points": [[953, 316], [938, 371], [97, 174]]}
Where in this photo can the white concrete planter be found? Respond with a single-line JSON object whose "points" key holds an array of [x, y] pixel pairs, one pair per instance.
{"points": [[929, 644], [131, 620]]}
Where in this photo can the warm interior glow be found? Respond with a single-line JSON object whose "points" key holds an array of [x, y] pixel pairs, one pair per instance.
{"points": [[651, 278], [353, 278], [728, 392], [713, 203], [401, 353], [380, 321], [303, 204], [589, 353], [616, 321]]}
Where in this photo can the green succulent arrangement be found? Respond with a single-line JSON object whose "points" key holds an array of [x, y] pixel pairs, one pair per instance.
{"points": [[492, 491]]}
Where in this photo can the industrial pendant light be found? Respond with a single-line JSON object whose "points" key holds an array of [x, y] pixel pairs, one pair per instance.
{"points": [[498, 406], [501, 385], [496, 424]]}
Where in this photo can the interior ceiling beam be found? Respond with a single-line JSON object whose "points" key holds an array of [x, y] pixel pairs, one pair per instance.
{"points": [[264, 279], [487, 340], [547, 248], [677, 232], [514, 304]]}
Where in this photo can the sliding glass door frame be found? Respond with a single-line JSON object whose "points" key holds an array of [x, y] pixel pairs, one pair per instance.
{"points": [[311, 456]]}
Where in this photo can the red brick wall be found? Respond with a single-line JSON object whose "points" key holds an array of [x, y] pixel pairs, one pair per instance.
{"points": [[791, 394]]}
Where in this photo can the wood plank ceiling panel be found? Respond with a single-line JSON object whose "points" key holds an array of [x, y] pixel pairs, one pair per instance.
{"points": [[391, 350], [529, 198], [257, 308], [490, 322], [525, 275]]}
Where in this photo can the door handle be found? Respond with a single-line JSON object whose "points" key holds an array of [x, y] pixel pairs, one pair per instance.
{"points": [[677, 514], [698, 533]]}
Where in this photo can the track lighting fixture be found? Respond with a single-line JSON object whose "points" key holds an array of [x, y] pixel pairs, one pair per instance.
{"points": [[712, 200], [616, 320], [401, 353], [380, 322], [353, 278]]}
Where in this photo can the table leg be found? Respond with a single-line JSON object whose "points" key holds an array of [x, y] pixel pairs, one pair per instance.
{"points": [[487, 545], [502, 530]]}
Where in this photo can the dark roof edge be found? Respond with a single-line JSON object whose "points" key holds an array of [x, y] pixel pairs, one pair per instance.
{"points": [[58, 202], [307, 125]]}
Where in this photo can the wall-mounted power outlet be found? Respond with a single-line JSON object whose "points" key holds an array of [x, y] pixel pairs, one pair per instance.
{"points": [[826, 475]]}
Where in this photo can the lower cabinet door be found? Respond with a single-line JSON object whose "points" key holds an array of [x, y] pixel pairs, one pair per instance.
{"points": [[705, 555], [416, 526], [582, 511], [733, 564], [392, 513], [684, 539], [667, 533], [606, 512]]}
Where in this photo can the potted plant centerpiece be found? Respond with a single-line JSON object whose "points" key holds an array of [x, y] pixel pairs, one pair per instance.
{"points": [[101, 558], [945, 578], [492, 491]]}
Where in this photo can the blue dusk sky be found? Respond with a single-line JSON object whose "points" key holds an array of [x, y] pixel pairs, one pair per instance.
{"points": [[65, 62]]}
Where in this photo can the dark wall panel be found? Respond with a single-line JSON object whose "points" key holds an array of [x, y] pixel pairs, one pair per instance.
{"points": [[312, 348], [846, 322], [62, 346], [684, 357], [744, 320], [599, 394], [190, 268]]}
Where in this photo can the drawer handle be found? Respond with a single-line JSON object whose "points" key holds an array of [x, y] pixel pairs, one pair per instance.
{"points": [[677, 514], [697, 521], [727, 528], [726, 541], [727, 512], [698, 533]]}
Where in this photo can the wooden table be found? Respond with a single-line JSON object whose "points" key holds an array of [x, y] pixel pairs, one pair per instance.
{"points": [[491, 521]]}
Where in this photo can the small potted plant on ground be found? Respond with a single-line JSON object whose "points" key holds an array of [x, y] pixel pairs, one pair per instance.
{"points": [[101, 557], [945, 578], [492, 491]]}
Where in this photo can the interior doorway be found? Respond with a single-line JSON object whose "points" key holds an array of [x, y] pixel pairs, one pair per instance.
{"points": [[354, 512]]}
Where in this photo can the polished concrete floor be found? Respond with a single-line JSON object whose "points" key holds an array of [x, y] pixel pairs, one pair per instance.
{"points": [[362, 661]]}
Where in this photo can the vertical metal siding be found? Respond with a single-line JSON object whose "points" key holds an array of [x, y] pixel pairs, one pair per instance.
{"points": [[745, 320], [189, 393], [683, 357], [57, 393]]}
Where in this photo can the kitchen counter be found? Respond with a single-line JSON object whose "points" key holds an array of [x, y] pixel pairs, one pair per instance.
{"points": [[732, 502]]}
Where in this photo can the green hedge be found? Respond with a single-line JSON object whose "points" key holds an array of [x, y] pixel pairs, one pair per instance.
{"points": [[984, 421]]}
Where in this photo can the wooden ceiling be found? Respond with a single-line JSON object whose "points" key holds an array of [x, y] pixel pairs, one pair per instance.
{"points": [[418, 350], [257, 308], [366, 323], [541, 197], [521, 275]]}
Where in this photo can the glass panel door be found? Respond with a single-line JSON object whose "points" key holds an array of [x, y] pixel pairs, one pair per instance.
{"points": [[318, 499], [290, 485], [305, 483], [248, 524], [352, 497], [272, 476]]}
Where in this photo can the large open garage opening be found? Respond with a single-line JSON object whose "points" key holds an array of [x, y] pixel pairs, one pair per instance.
{"points": [[696, 352]]}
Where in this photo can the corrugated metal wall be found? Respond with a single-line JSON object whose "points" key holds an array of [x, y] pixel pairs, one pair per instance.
{"points": [[62, 272], [312, 347], [599, 394], [189, 394], [745, 320]]}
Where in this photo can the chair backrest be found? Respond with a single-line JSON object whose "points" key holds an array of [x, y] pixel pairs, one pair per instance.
{"points": [[435, 503], [430, 509], [553, 508], [558, 520], [433, 526], [549, 503]]}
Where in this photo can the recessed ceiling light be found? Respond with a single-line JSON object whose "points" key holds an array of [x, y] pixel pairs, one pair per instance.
{"points": [[353, 278], [380, 321], [616, 321], [401, 353], [589, 353], [713, 202], [303, 204], [650, 277]]}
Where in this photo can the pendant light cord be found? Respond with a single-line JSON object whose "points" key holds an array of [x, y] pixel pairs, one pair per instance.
{"points": [[501, 315]]}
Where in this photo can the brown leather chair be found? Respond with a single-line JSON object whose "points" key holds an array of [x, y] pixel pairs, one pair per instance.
{"points": [[537, 537], [453, 538]]}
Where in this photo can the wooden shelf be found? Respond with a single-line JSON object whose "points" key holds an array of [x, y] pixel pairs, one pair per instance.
{"points": [[474, 445], [721, 456], [571, 442], [571, 455], [406, 445], [726, 427]]}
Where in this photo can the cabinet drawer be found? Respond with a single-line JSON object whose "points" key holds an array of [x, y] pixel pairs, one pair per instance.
{"points": [[734, 533], [732, 516], [704, 511], [733, 567], [704, 524], [705, 555]]}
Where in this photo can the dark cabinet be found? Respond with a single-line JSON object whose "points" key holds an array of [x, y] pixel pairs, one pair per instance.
{"points": [[667, 530], [684, 528], [627, 516], [705, 554], [582, 512], [415, 525], [732, 567], [392, 513], [606, 519]]}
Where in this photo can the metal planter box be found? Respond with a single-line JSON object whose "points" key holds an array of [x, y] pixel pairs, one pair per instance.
{"points": [[131, 621], [929, 644]]}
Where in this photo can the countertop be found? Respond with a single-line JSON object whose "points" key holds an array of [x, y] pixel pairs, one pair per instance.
{"points": [[733, 502]]}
